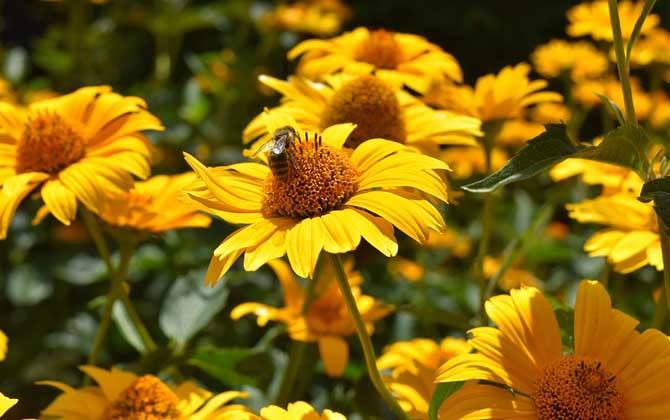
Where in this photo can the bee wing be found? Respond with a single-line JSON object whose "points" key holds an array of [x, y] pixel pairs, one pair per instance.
{"points": [[264, 148], [279, 145]]}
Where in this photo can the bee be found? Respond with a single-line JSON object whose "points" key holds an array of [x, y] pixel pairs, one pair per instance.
{"points": [[278, 147]]}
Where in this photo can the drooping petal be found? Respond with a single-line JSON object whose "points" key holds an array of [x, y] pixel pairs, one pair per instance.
{"points": [[334, 352]]}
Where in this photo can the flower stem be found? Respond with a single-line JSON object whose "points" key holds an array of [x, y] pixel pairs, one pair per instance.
{"points": [[622, 62], [665, 249], [298, 349], [364, 338], [116, 289]]}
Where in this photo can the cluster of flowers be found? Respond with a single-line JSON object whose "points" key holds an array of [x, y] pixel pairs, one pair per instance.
{"points": [[377, 119]]}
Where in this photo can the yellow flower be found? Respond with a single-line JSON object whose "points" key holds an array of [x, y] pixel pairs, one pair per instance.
{"points": [[299, 410], [378, 109], [653, 48], [517, 131], [457, 242], [586, 92], [318, 17], [495, 96], [614, 371], [612, 178], [413, 365], [550, 112], [580, 60], [593, 19], [121, 395], [154, 205], [514, 277], [7, 94], [409, 270], [660, 114], [3, 345], [467, 161], [631, 239], [327, 322], [79, 147], [6, 403], [398, 58], [327, 200]]}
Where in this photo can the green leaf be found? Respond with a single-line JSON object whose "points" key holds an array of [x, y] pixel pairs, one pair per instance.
{"points": [[540, 153], [127, 328], [229, 365], [612, 107], [625, 146], [442, 392], [658, 191], [189, 306]]}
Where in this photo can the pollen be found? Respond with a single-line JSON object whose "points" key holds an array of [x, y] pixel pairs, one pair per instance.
{"points": [[380, 49], [320, 179], [148, 398], [369, 103], [48, 144], [575, 387]]}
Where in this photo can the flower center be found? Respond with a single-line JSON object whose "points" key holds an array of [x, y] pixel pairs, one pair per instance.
{"points": [[319, 179], [576, 387], [48, 144], [380, 50], [148, 398], [369, 103]]}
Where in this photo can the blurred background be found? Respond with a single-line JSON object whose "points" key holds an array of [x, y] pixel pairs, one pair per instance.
{"points": [[196, 63]]}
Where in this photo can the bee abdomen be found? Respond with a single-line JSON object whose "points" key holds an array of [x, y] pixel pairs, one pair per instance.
{"points": [[279, 166]]}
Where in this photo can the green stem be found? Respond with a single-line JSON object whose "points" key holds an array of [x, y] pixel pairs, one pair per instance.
{"points": [[364, 338], [660, 312], [622, 62], [483, 250], [665, 248], [298, 348]]}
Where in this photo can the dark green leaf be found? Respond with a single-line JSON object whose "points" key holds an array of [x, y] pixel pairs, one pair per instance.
{"points": [[189, 306], [658, 191], [127, 328], [540, 153], [231, 366], [612, 108], [442, 392], [625, 146]]}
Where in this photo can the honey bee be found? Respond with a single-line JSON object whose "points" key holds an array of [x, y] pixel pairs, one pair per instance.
{"points": [[277, 148]]}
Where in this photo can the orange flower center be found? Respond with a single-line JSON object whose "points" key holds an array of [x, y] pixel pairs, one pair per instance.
{"points": [[48, 144], [369, 103], [576, 387], [380, 50], [319, 179], [148, 398]]}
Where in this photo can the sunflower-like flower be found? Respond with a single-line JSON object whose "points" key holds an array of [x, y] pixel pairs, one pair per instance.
{"points": [[327, 321], [5, 402], [614, 371], [513, 278], [154, 205], [581, 60], [398, 58], [593, 19], [465, 162], [413, 365], [317, 17], [654, 48], [613, 178], [121, 395], [586, 93], [299, 410], [327, 199], [630, 239], [7, 93], [78, 147], [495, 96], [378, 109]]}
